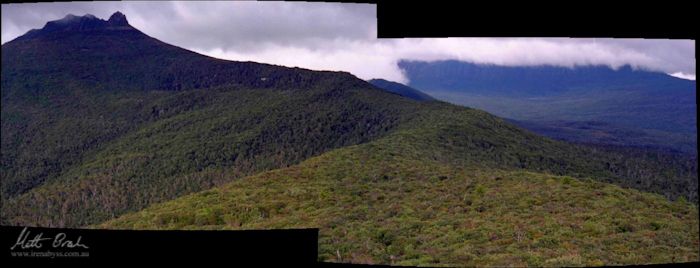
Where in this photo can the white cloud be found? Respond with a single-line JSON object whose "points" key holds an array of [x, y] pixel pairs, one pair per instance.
{"points": [[684, 75], [377, 58]]}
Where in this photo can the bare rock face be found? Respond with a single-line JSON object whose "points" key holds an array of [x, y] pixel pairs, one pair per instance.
{"points": [[74, 24], [118, 19]]}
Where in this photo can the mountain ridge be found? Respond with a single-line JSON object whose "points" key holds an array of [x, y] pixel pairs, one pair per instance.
{"points": [[140, 62], [462, 75], [638, 100], [73, 23], [401, 89]]}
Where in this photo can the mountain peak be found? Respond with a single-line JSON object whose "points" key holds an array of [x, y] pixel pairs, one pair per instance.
{"points": [[86, 23], [68, 18], [118, 19], [71, 19]]}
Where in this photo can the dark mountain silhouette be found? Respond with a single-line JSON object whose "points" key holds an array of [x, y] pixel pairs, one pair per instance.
{"points": [[134, 61], [623, 98], [71, 23], [536, 81]]}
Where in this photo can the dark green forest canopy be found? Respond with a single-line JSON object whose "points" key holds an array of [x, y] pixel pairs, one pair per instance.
{"points": [[402, 200]]}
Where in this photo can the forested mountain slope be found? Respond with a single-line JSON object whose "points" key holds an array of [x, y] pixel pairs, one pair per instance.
{"points": [[425, 195], [109, 120]]}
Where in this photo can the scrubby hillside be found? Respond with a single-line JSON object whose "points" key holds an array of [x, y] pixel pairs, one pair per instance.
{"points": [[184, 141], [403, 200]]}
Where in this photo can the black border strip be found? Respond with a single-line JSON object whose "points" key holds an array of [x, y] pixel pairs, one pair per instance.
{"points": [[259, 247]]}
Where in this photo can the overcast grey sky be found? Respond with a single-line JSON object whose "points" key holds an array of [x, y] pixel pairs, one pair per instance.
{"points": [[333, 36]]}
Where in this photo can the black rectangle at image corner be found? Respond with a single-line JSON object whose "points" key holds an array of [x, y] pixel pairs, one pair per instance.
{"points": [[31, 244]]}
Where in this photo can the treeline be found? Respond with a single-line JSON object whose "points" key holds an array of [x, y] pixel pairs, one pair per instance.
{"points": [[670, 173]]}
